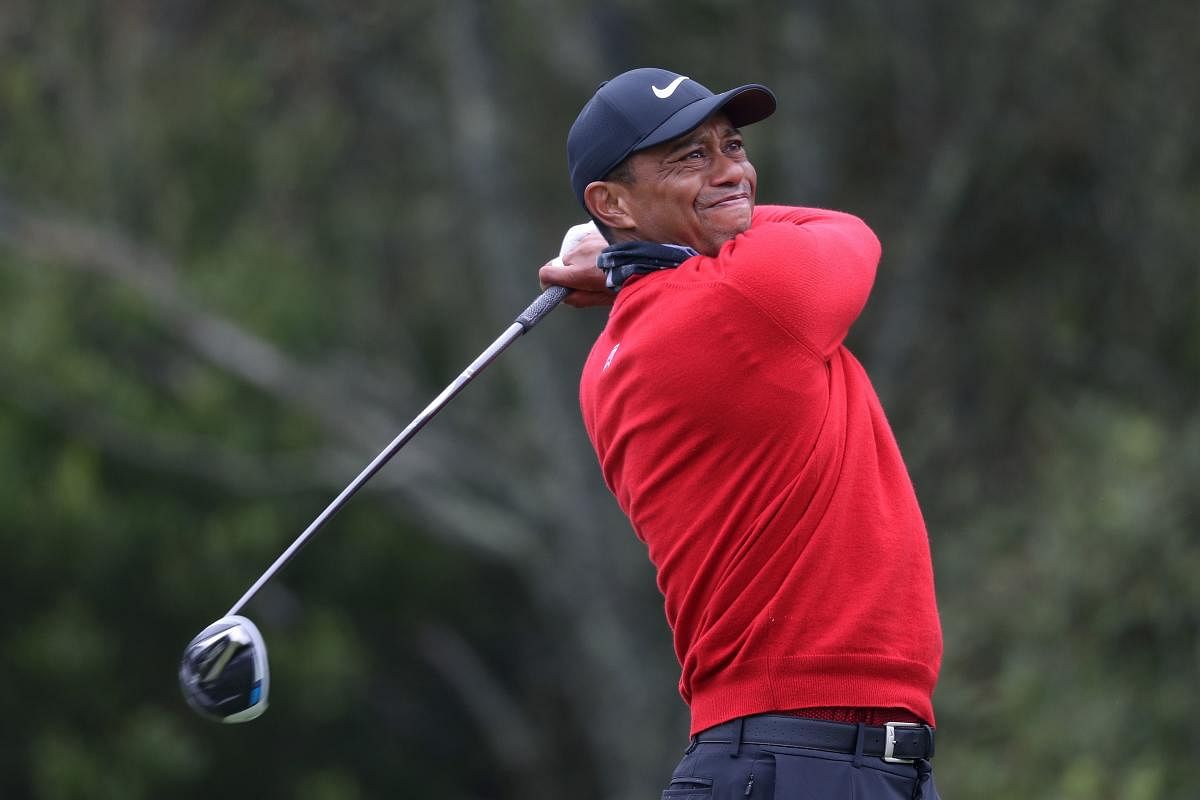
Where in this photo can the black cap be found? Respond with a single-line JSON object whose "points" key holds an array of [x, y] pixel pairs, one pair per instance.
{"points": [[645, 107]]}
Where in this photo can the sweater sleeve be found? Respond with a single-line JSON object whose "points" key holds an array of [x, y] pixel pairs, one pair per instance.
{"points": [[810, 269]]}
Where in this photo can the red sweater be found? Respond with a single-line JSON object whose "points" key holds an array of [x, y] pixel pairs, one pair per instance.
{"points": [[750, 452]]}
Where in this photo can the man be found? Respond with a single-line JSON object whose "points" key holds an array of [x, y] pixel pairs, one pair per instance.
{"points": [[750, 452]]}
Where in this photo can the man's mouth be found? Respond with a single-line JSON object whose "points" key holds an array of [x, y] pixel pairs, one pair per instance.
{"points": [[731, 200]]}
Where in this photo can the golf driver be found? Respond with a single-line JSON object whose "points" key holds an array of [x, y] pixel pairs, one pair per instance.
{"points": [[224, 673]]}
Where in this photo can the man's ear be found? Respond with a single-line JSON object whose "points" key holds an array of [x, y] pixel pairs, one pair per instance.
{"points": [[606, 201]]}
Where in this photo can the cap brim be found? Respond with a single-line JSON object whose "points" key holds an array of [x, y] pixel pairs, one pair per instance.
{"points": [[744, 105]]}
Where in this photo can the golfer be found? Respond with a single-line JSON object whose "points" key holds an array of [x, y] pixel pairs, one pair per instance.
{"points": [[750, 452]]}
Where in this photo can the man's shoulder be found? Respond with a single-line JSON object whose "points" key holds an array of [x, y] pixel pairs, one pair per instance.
{"points": [[767, 213]]}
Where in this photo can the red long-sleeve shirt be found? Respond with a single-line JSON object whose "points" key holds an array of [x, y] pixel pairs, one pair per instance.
{"points": [[751, 455]]}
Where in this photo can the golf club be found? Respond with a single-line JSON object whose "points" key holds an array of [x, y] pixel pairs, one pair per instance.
{"points": [[224, 673]]}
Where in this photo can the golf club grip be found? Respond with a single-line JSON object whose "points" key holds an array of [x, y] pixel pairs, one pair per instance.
{"points": [[541, 306]]}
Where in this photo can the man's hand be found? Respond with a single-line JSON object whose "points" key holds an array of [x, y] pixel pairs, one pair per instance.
{"points": [[575, 268]]}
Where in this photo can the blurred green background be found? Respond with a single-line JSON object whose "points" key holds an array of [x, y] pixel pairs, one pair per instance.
{"points": [[242, 244]]}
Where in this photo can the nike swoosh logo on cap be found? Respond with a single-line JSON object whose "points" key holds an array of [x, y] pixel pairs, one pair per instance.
{"points": [[663, 94]]}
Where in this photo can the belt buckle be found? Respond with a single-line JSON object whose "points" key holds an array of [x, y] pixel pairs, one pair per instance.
{"points": [[889, 743]]}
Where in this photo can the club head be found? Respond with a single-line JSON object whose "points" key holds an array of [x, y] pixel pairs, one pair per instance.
{"points": [[224, 673]]}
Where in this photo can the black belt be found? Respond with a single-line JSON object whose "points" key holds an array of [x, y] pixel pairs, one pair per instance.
{"points": [[895, 742]]}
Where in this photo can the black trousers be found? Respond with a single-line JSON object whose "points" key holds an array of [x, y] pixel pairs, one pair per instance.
{"points": [[764, 771]]}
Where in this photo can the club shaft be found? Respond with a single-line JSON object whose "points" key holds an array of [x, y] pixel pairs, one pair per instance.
{"points": [[528, 318]]}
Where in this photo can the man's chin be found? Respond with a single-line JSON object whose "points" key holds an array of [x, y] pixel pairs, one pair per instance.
{"points": [[726, 223]]}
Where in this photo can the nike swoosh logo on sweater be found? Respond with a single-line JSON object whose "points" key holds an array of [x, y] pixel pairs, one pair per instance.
{"points": [[663, 94], [611, 355]]}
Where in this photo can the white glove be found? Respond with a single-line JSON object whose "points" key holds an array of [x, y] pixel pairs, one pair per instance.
{"points": [[575, 234]]}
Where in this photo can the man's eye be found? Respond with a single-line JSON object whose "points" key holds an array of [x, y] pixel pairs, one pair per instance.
{"points": [[735, 147]]}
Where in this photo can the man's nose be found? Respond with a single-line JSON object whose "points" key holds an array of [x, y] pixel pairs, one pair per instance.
{"points": [[727, 170]]}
